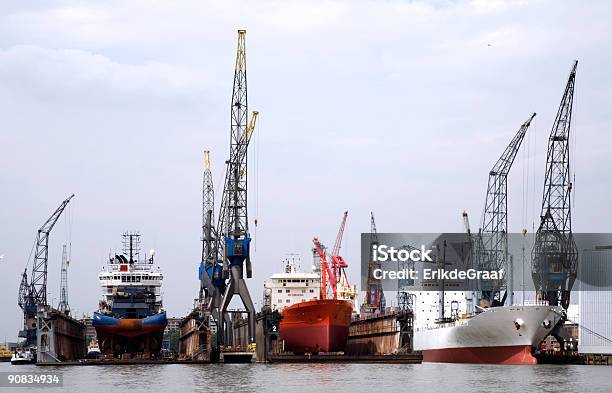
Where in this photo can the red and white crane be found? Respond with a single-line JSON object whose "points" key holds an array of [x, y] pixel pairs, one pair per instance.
{"points": [[333, 272]]}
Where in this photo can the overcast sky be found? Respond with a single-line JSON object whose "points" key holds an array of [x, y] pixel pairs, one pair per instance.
{"points": [[400, 107]]}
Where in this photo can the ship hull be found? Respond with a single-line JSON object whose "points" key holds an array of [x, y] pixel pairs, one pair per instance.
{"points": [[316, 326], [501, 335], [125, 335]]}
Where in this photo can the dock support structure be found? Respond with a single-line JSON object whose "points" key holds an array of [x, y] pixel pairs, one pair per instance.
{"points": [[59, 337], [267, 337]]}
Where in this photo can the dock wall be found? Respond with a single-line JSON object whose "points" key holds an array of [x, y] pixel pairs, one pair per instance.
{"points": [[59, 337]]}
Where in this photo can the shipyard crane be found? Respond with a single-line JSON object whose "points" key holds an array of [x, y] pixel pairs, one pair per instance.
{"points": [[492, 243], [233, 227], [333, 272], [211, 282], [338, 263], [554, 255], [34, 292], [63, 305], [326, 270], [375, 297]]}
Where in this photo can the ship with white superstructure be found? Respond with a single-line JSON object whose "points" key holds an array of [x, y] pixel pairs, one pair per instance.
{"points": [[130, 318]]}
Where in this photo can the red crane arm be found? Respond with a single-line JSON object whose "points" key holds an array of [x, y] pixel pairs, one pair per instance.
{"points": [[326, 270]]}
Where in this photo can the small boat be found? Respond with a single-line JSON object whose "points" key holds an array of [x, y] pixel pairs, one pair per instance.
{"points": [[93, 350], [23, 357], [5, 354]]}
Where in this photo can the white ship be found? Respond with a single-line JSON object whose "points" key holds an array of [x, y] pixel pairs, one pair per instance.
{"points": [[497, 335], [25, 356], [292, 286]]}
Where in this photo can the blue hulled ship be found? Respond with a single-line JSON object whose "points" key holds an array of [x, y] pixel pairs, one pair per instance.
{"points": [[130, 318]]}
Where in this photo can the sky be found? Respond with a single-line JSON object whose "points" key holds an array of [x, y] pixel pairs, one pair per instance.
{"points": [[395, 107]]}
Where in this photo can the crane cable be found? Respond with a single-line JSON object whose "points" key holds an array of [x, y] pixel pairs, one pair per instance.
{"points": [[256, 182], [573, 138], [585, 328], [535, 149]]}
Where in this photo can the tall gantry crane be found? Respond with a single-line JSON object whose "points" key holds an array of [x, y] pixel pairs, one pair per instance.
{"points": [[375, 297], [63, 305], [233, 226], [554, 255], [34, 292], [491, 245], [211, 281]]}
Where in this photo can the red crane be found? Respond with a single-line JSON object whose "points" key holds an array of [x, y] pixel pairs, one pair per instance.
{"points": [[332, 273], [338, 263], [325, 270]]}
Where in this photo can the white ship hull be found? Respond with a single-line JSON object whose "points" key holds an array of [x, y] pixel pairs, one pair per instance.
{"points": [[501, 335]]}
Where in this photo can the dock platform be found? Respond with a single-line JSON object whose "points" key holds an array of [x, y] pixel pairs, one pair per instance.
{"points": [[122, 362], [412, 358]]}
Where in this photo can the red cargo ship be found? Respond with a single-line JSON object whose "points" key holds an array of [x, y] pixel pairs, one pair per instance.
{"points": [[310, 324], [316, 326]]}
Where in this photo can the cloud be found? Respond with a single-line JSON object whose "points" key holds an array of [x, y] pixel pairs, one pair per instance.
{"points": [[64, 74]]}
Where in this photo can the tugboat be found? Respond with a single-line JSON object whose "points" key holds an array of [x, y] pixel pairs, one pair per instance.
{"points": [[130, 319], [93, 350]]}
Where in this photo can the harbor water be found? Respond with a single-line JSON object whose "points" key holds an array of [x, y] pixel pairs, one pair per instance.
{"points": [[427, 377]]}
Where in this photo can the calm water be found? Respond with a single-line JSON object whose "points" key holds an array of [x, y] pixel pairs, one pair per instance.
{"points": [[325, 378]]}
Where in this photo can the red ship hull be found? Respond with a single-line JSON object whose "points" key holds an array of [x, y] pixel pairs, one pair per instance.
{"points": [[316, 326], [518, 354]]}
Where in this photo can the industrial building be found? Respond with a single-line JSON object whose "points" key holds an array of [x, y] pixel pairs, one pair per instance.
{"points": [[595, 291]]}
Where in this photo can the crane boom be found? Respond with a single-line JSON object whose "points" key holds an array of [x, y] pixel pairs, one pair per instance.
{"points": [[39, 268], [35, 292], [554, 255], [338, 243], [492, 245], [375, 297], [326, 272], [63, 305], [233, 236], [209, 254]]}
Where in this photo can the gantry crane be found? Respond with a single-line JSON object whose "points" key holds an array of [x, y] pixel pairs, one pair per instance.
{"points": [[375, 297], [491, 244], [233, 226], [212, 284], [34, 292], [555, 256]]}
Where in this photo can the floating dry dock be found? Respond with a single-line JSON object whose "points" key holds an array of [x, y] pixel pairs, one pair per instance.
{"points": [[60, 338]]}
